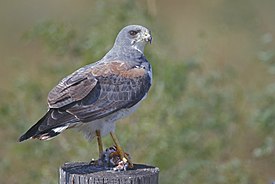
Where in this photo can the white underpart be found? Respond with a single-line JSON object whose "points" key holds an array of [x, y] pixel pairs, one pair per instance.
{"points": [[138, 48], [60, 129], [45, 138], [139, 45], [106, 124], [57, 130]]}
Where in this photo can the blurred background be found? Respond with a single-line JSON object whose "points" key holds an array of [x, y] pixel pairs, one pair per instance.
{"points": [[209, 117]]}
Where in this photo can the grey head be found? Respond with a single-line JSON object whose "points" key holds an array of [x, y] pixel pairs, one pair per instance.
{"points": [[134, 36], [131, 39]]}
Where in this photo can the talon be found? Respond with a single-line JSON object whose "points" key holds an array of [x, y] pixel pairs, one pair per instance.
{"points": [[120, 151], [114, 154]]}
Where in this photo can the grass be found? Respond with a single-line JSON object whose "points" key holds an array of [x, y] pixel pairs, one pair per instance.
{"points": [[209, 117]]}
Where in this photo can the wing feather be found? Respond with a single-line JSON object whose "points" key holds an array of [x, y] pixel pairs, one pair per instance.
{"points": [[118, 86], [98, 91], [90, 93], [73, 88]]}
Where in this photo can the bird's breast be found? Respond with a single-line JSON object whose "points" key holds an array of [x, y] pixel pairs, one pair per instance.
{"points": [[106, 124]]}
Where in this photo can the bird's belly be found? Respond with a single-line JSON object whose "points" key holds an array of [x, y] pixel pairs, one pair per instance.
{"points": [[106, 124]]}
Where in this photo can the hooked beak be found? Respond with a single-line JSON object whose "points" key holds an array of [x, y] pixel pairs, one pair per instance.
{"points": [[148, 37]]}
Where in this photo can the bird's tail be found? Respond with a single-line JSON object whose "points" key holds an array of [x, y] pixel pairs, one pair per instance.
{"points": [[38, 131]]}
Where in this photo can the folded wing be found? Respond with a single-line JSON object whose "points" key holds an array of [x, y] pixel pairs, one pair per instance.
{"points": [[91, 93]]}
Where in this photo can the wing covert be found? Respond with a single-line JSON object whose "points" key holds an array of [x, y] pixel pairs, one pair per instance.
{"points": [[119, 88], [100, 90], [71, 89]]}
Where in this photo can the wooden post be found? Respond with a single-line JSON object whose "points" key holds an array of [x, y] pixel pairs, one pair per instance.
{"points": [[85, 173]]}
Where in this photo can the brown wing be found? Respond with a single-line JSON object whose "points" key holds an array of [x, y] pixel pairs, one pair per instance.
{"points": [[91, 93], [73, 88], [118, 87]]}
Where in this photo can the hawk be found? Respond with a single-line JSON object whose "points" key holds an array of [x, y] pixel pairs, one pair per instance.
{"points": [[95, 96]]}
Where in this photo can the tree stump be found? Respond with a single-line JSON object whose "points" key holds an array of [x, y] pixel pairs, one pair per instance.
{"points": [[85, 173]]}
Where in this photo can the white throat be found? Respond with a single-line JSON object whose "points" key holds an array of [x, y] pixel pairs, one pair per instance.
{"points": [[139, 46]]}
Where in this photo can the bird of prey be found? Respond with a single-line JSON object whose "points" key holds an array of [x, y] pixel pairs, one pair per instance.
{"points": [[95, 96]]}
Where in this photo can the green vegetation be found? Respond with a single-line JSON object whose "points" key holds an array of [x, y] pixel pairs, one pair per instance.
{"points": [[209, 117]]}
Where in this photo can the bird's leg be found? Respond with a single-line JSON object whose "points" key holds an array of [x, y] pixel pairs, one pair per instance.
{"points": [[100, 149], [120, 151], [99, 143]]}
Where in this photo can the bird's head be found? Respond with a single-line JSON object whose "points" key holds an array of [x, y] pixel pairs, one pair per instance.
{"points": [[134, 36]]}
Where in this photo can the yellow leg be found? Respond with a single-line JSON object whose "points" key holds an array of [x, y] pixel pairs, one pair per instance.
{"points": [[99, 142], [120, 151]]}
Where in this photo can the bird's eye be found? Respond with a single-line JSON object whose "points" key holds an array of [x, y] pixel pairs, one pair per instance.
{"points": [[133, 33]]}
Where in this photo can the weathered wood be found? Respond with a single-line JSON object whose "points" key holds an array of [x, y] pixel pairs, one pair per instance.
{"points": [[85, 173]]}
